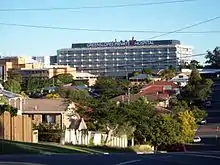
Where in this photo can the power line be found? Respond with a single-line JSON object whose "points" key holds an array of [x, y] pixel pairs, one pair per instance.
{"points": [[187, 27], [105, 30], [96, 7]]}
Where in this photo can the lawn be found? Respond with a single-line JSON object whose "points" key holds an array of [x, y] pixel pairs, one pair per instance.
{"points": [[12, 147]]}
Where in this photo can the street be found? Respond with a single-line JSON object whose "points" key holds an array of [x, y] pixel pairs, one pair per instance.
{"points": [[203, 158], [210, 132]]}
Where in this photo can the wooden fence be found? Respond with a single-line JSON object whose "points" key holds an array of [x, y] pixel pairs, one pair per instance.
{"points": [[17, 128]]}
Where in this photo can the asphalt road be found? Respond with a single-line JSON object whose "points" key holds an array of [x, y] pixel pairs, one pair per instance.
{"points": [[115, 159], [210, 132]]}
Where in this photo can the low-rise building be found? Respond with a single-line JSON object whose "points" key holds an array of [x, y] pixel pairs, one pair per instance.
{"points": [[90, 78], [8, 63], [181, 79]]}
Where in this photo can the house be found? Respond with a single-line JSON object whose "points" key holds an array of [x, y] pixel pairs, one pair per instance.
{"points": [[160, 88], [53, 111], [181, 79], [45, 110]]}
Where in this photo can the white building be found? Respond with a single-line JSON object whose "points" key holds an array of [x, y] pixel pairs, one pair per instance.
{"points": [[181, 79], [120, 58]]}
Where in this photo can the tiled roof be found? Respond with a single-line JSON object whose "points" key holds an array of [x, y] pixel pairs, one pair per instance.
{"points": [[44, 105]]}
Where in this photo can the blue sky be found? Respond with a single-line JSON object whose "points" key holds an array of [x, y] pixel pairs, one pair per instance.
{"points": [[166, 17]]}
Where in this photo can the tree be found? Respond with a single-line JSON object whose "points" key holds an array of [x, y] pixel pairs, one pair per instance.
{"points": [[35, 84], [213, 58], [147, 71], [197, 89], [188, 126], [198, 114], [194, 65], [109, 87], [165, 130], [15, 75], [167, 74], [65, 78], [12, 85]]}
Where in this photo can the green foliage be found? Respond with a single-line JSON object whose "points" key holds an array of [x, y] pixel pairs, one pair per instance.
{"points": [[197, 88], [2, 100], [194, 65], [165, 130], [65, 78], [48, 132], [147, 71], [167, 74], [135, 73], [213, 58], [199, 114], [109, 87], [12, 85], [35, 84], [15, 75], [5, 107], [188, 125]]}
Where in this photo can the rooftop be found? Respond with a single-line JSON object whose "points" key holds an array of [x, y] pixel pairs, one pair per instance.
{"points": [[9, 94], [44, 106]]}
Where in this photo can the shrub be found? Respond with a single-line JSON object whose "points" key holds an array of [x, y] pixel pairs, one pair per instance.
{"points": [[49, 132], [52, 96]]}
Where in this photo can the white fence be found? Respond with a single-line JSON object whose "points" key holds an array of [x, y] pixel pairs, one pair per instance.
{"points": [[77, 137]]}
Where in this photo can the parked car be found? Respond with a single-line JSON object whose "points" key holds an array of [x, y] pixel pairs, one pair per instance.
{"points": [[208, 103], [197, 139], [203, 121]]}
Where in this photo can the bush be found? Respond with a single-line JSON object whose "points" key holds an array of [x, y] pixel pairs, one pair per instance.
{"points": [[52, 96], [142, 148], [49, 132]]}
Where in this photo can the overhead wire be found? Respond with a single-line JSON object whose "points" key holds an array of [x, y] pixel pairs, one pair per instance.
{"points": [[95, 7]]}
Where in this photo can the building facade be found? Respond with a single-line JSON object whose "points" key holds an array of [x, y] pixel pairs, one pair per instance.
{"points": [[120, 58]]}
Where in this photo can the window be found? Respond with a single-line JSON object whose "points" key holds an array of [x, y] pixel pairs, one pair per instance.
{"points": [[31, 116], [49, 119]]}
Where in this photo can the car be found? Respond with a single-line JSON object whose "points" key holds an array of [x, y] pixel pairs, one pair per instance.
{"points": [[208, 103], [196, 139], [203, 121]]}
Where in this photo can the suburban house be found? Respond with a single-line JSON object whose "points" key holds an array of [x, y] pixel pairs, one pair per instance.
{"points": [[53, 111], [181, 79]]}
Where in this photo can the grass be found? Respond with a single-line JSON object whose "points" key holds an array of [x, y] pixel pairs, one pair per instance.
{"points": [[14, 147], [103, 149]]}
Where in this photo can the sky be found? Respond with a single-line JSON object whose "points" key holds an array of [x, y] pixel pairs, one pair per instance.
{"points": [[18, 41]]}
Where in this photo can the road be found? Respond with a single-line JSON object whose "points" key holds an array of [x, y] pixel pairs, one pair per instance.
{"points": [[203, 158], [210, 132]]}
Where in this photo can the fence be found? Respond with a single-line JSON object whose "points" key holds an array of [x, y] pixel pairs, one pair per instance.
{"points": [[86, 138], [17, 128]]}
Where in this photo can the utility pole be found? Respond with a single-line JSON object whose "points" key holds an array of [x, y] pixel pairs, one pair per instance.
{"points": [[129, 94]]}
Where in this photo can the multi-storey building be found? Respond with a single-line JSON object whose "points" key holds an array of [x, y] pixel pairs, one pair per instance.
{"points": [[120, 58]]}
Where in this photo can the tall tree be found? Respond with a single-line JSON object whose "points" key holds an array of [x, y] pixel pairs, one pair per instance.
{"points": [[12, 85], [165, 130], [213, 58], [194, 65], [188, 125], [197, 89]]}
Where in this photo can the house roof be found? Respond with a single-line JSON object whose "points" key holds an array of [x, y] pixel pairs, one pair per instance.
{"points": [[9, 94], [160, 84], [44, 106]]}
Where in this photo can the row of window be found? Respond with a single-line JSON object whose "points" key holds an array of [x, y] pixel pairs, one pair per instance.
{"points": [[173, 49]]}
